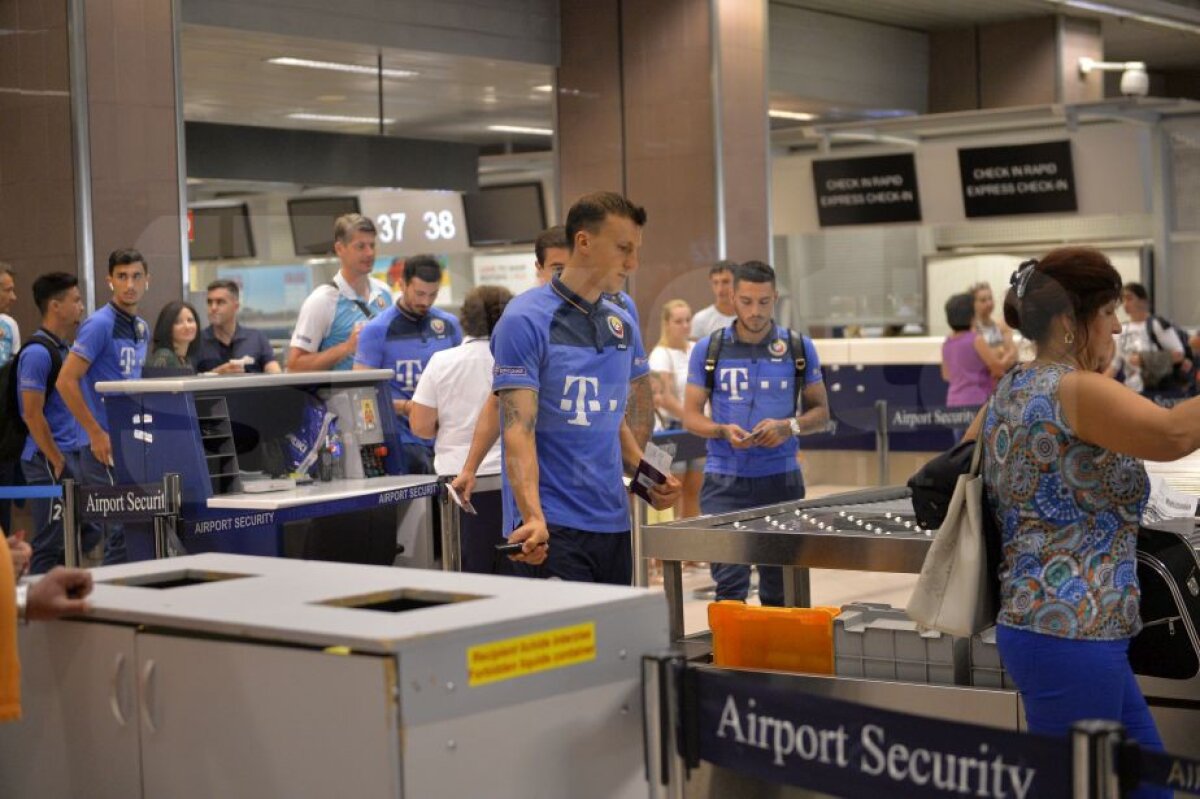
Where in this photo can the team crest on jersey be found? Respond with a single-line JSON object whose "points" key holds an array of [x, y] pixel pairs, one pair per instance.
{"points": [[380, 302], [777, 348], [616, 326], [437, 326], [141, 329]]}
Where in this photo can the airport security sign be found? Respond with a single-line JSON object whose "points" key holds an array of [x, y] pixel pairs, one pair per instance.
{"points": [[848, 749], [1018, 179], [127, 503], [866, 191]]}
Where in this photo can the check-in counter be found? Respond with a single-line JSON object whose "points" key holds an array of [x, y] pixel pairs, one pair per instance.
{"points": [[216, 431], [223, 675]]}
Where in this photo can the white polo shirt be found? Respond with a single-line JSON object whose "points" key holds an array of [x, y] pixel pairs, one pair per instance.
{"points": [[456, 382]]}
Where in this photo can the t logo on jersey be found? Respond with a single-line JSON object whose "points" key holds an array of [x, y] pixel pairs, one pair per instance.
{"points": [[408, 373], [127, 358], [735, 379], [580, 404]]}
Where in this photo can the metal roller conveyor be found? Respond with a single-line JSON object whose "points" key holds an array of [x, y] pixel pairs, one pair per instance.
{"points": [[869, 530]]}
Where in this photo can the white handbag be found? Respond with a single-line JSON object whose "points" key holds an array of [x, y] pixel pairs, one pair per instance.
{"points": [[954, 593]]}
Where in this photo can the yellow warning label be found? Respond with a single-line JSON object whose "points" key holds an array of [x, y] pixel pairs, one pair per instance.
{"points": [[529, 654]]}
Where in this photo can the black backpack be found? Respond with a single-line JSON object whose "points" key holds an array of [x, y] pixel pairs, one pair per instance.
{"points": [[13, 431], [795, 352], [1180, 378]]}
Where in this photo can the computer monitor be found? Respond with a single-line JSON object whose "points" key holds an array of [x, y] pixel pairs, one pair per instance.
{"points": [[510, 214], [220, 232], [312, 221]]}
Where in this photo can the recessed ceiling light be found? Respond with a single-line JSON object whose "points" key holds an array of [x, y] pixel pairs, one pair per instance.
{"points": [[799, 116], [337, 66], [338, 118], [521, 129], [331, 98], [545, 87]]}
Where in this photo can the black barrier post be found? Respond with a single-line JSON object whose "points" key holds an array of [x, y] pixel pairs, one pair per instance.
{"points": [[660, 724], [166, 524], [1095, 747], [70, 523], [881, 439]]}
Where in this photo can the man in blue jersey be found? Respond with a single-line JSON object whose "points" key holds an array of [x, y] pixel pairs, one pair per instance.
{"points": [[111, 345], [327, 329], [565, 362], [403, 338], [52, 449], [765, 386]]}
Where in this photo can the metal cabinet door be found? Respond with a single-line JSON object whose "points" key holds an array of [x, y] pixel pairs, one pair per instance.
{"points": [[234, 719], [78, 734]]}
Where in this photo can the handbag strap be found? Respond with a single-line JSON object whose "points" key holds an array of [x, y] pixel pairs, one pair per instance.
{"points": [[977, 453]]}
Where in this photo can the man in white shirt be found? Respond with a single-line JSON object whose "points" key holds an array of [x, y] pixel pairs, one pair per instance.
{"points": [[721, 313], [10, 335], [326, 334], [1143, 333]]}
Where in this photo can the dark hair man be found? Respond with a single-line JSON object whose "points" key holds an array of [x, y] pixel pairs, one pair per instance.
{"points": [[765, 386], [1143, 334], [52, 449], [721, 313], [550, 252], [326, 333], [111, 345], [566, 360], [227, 347], [402, 339]]}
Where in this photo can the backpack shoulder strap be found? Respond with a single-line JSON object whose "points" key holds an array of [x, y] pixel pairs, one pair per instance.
{"points": [[800, 359], [711, 357], [362, 306], [56, 360]]}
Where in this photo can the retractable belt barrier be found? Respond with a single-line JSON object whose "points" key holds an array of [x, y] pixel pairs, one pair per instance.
{"points": [[30, 492], [742, 722], [158, 503]]}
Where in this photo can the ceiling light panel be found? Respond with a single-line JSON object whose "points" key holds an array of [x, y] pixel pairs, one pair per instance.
{"points": [[521, 129], [353, 120], [337, 66]]}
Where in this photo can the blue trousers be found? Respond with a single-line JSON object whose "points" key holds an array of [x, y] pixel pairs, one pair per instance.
{"points": [[584, 557], [47, 540], [1063, 680], [723, 493], [95, 473]]}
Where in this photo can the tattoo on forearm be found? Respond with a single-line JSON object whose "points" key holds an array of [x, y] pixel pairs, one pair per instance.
{"points": [[514, 416], [639, 410]]}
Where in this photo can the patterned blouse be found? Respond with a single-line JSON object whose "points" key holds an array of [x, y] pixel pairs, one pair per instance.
{"points": [[1068, 512]]}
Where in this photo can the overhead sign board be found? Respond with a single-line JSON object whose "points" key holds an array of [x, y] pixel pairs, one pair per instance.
{"points": [[866, 191], [412, 222], [1018, 179]]}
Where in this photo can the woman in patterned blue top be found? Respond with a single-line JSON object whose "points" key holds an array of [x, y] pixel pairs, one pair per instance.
{"points": [[1067, 486]]}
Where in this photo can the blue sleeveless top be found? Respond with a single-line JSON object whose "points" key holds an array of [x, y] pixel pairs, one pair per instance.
{"points": [[1068, 512]]}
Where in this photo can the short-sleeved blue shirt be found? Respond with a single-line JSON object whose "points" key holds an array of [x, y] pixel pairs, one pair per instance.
{"points": [[580, 358], [114, 344], [212, 353], [404, 343], [753, 382], [33, 373]]}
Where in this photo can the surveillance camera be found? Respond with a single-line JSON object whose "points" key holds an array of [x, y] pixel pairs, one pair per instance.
{"points": [[1135, 82]]}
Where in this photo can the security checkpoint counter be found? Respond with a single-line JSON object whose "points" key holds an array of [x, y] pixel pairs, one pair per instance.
{"points": [[225, 675], [218, 431]]}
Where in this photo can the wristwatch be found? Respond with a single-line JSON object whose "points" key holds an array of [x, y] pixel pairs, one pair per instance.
{"points": [[794, 423], [22, 603]]}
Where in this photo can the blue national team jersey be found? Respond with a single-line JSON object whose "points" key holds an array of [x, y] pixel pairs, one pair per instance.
{"points": [[33, 370], [394, 340], [753, 382], [580, 358], [114, 344]]}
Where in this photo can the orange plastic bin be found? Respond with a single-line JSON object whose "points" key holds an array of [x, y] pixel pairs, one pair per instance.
{"points": [[781, 639]]}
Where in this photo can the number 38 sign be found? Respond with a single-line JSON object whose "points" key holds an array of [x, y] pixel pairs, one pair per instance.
{"points": [[411, 222]]}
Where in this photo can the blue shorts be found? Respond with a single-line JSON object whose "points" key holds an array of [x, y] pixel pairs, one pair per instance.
{"points": [[1065, 680], [584, 557]]}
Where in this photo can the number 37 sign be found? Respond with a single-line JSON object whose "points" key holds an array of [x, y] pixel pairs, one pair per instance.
{"points": [[411, 222]]}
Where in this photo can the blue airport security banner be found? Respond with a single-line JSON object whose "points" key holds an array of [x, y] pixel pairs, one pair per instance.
{"points": [[848, 749], [1169, 771]]}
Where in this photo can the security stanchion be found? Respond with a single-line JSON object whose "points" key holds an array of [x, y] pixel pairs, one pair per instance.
{"points": [[881, 439], [72, 555], [162, 523], [641, 568], [665, 770], [166, 524], [451, 530], [1095, 747]]}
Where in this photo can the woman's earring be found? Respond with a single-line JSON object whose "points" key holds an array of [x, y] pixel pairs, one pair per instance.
{"points": [[1069, 338]]}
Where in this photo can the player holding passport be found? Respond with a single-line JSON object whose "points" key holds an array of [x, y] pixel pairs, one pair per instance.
{"points": [[765, 386]]}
